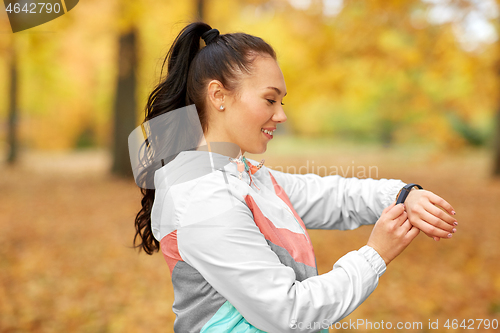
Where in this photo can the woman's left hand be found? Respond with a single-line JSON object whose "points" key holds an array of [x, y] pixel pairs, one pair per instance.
{"points": [[422, 213]]}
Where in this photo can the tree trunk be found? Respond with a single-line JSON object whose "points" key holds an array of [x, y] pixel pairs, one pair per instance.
{"points": [[200, 9], [496, 147], [125, 104], [13, 110]]}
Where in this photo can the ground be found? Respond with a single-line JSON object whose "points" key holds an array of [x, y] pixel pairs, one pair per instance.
{"points": [[66, 229]]}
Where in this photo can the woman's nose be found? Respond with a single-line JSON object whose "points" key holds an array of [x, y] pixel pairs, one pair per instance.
{"points": [[279, 116]]}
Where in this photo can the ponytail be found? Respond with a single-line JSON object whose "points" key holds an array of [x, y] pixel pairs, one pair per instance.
{"points": [[189, 70], [171, 93]]}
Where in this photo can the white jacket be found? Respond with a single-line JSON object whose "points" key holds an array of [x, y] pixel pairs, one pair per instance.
{"points": [[239, 255]]}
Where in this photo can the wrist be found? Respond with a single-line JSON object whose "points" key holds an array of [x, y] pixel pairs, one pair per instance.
{"points": [[378, 252], [374, 258], [405, 191]]}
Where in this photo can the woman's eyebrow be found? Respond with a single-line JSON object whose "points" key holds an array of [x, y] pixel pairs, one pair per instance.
{"points": [[277, 90]]}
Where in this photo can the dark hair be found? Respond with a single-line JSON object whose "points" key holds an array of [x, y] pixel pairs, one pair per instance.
{"points": [[189, 69]]}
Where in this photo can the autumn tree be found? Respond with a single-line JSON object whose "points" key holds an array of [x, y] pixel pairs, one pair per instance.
{"points": [[496, 145], [200, 10], [125, 103], [13, 108]]}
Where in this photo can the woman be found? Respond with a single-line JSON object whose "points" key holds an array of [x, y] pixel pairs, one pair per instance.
{"points": [[233, 232]]}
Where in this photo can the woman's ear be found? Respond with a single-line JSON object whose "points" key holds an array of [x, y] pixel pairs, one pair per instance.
{"points": [[216, 95]]}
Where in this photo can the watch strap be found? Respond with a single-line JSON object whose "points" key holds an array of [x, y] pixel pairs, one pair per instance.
{"points": [[403, 194]]}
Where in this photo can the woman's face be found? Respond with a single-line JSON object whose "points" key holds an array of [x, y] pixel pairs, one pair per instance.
{"points": [[255, 107]]}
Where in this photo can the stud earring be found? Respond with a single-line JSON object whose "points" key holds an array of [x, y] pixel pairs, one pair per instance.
{"points": [[221, 107]]}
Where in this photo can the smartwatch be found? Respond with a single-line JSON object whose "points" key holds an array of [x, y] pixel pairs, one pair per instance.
{"points": [[403, 193]]}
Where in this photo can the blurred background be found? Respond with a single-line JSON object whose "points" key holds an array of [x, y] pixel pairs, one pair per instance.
{"points": [[400, 89]]}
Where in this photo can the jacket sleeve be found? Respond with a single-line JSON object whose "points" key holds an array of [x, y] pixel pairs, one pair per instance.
{"points": [[335, 202], [233, 256]]}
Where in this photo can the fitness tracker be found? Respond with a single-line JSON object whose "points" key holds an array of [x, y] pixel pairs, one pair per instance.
{"points": [[403, 193]]}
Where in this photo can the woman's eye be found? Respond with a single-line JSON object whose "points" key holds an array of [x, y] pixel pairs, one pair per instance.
{"points": [[273, 101]]}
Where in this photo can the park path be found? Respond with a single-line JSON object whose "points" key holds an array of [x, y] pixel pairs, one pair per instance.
{"points": [[66, 228]]}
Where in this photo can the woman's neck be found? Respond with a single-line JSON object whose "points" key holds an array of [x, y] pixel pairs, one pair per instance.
{"points": [[224, 148]]}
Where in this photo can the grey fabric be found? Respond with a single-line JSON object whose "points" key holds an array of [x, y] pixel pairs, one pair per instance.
{"points": [[195, 299], [302, 271]]}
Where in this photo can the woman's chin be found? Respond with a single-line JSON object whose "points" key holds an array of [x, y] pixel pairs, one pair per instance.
{"points": [[257, 150]]}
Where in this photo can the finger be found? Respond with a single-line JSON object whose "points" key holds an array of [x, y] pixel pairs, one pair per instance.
{"points": [[406, 226], [412, 233], [434, 210], [395, 211], [436, 222], [437, 200], [389, 207], [416, 224], [402, 219], [433, 237], [431, 230]]}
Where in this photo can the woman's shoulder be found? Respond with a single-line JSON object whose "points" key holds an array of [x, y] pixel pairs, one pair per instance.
{"points": [[194, 200]]}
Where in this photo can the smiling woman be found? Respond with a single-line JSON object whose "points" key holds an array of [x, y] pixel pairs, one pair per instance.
{"points": [[249, 117], [233, 233]]}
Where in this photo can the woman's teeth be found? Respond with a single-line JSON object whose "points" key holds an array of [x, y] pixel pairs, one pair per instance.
{"points": [[267, 132]]}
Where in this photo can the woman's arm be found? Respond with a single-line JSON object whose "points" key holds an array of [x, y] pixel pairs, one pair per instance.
{"points": [[335, 202], [234, 257]]}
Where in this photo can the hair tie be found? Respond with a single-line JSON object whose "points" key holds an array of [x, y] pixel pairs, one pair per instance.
{"points": [[210, 35]]}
